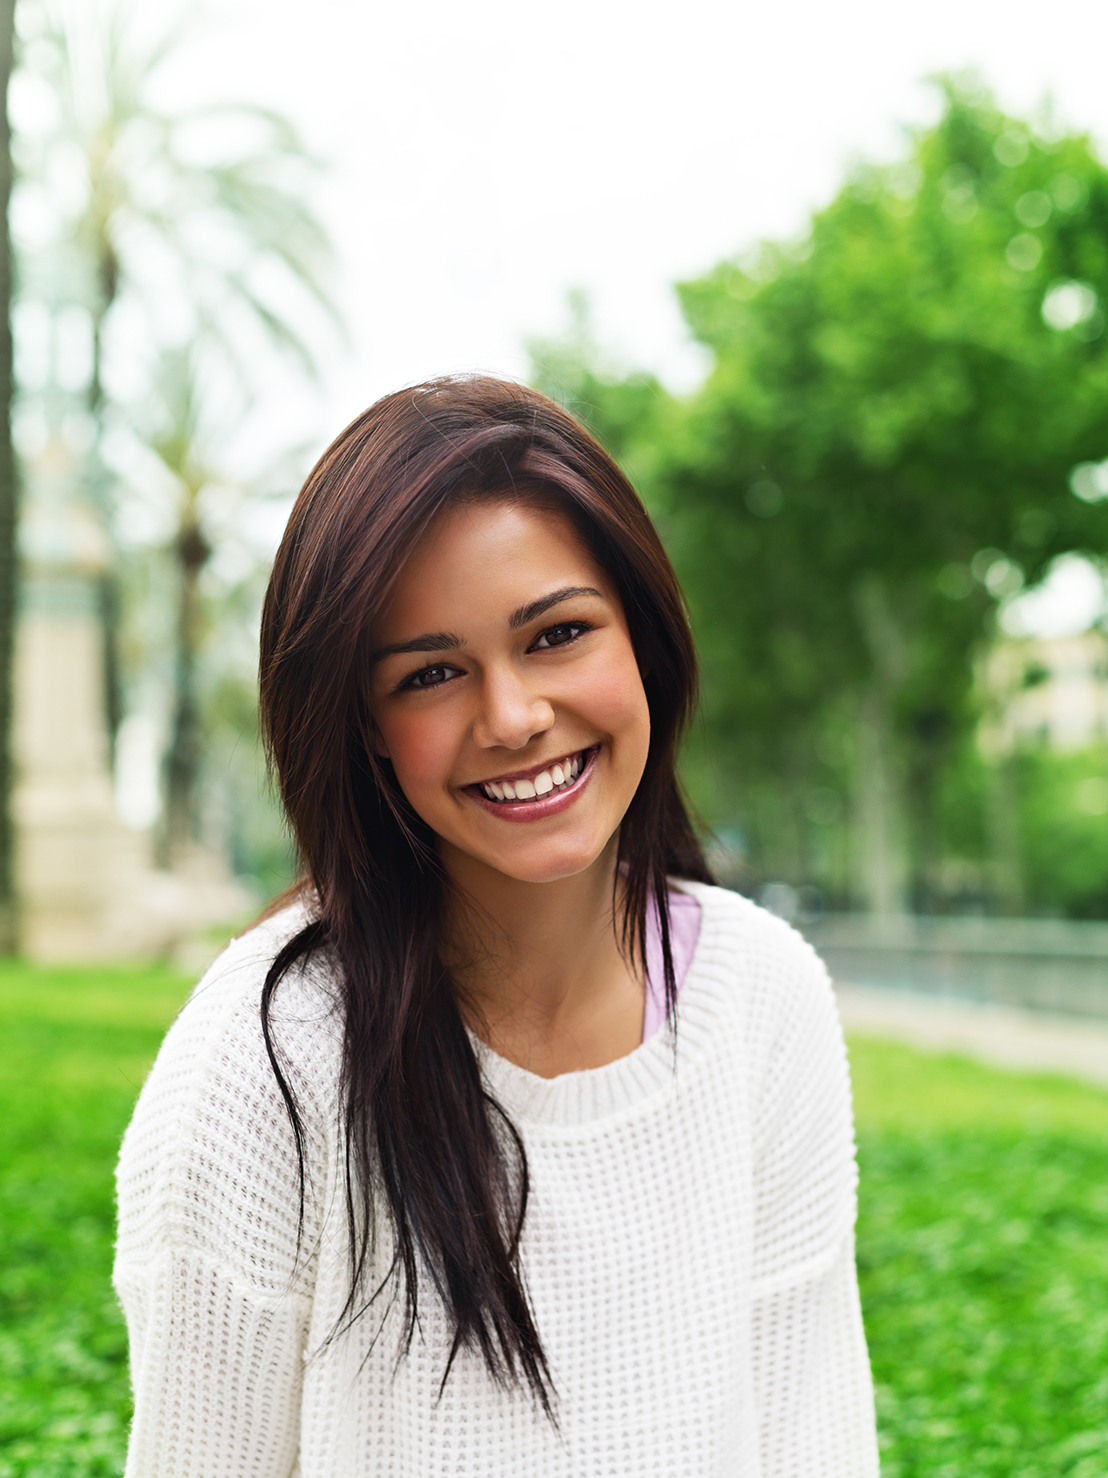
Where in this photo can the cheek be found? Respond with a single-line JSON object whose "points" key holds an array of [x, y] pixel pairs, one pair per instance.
{"points": [[422, 747], [613, 698]]}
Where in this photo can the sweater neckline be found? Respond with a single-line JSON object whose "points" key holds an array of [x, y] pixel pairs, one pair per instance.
{"points": [[577, 1098]]}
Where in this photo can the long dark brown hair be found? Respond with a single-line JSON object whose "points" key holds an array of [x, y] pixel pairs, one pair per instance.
{"points": [[422, 1135]]}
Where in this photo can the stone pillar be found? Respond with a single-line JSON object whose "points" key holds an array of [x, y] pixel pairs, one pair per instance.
{"points": [[71, 849], [87, 887]]}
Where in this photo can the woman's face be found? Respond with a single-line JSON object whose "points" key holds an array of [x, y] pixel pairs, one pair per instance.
{"points": [[506, 693]]}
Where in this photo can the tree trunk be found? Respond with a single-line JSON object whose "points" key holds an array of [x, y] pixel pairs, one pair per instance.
{"points": [[879, 804], [1003, 832], [99, 488], [929, 753], [182, 764], [8, 504], [878, 808]]}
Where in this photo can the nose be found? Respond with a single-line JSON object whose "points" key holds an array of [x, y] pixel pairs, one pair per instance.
{"points": [[510, 713]]}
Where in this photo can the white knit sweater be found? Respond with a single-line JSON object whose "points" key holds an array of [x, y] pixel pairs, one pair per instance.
{"points": [[688, 1248]]}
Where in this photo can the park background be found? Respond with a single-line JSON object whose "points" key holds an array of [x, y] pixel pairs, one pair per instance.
{"points": [[831, 284]]}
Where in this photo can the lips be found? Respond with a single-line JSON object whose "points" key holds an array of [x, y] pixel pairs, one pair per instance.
{"points": [[526, 801]]}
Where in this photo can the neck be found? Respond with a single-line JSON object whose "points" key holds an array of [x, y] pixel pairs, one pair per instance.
{"points": [[538, 968]]}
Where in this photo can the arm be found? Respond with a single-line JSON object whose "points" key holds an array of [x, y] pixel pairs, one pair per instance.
{"points": [[215, 1372], [216, 1295], [812, 1379]]}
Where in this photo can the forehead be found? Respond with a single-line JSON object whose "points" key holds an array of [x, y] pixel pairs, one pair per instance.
{"points": [[481, 561]]}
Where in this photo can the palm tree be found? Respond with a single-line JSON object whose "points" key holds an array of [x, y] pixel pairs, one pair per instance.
{"points": [[189, 228], [176, 442], [205, 244]]}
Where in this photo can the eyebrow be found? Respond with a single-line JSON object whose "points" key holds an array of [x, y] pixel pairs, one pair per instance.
{"points": [[446, 641], [528, 613], [430, 641]]}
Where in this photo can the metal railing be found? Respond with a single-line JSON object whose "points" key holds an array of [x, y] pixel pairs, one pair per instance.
{"points": [[1041, 964]]}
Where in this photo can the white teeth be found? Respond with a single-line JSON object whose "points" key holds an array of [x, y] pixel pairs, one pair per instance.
{"points": [[541, 784]]}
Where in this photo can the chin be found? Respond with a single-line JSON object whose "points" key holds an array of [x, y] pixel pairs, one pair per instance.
{"points": [[545, 864], [540, 874]]}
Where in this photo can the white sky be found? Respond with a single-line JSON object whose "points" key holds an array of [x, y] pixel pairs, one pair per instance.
{"points": [[486, 157]]}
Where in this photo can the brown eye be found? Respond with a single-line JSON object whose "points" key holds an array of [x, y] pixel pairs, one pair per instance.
{"points": [[428, 677], [560, 636]]}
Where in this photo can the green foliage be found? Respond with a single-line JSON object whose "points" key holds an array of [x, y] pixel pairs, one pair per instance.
{"points": [[984, 1271], [983, 1262], [1063, 799], [888, 400], [880, 455], [1058, 832], [77, 1044], [982, 1237], [899, 1092], [624, 410]]}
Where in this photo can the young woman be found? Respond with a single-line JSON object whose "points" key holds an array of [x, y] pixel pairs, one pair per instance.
{"points": [[506, 1145]]}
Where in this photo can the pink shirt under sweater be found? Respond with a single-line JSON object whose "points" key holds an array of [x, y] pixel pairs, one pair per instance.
{"points": [[684, 930]]}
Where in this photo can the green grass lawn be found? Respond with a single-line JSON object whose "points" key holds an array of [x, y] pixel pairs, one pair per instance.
{"points": [[983, 1257], [74, 1047], [982, 1243]]}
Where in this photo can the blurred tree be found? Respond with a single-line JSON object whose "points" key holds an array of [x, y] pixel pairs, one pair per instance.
{"points": [[906, 421], [177, 444], [883, 452], [208, 507], [191, 226], [624, 409], [1061, 804], [8, 498]]}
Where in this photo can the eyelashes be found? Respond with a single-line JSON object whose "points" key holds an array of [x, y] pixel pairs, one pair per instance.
{"points": [[576, 628], [434, 675], [420, 680]]}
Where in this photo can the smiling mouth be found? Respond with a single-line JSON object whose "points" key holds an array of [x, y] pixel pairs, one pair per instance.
{"points": [[555, 778]]}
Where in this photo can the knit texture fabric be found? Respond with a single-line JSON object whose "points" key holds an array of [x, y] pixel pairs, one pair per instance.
{"points": [[688, 1249]]}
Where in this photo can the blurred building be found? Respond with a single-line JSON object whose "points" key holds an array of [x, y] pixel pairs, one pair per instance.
{"points": [[1051, 691], [87, 885]]}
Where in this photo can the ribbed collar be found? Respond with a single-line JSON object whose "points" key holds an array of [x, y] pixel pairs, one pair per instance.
{"points": [[574, 1099]]}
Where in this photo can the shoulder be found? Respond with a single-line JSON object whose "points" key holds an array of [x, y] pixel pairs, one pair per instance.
{"points": [[219, 1027], [209, 1159], [772, 978], [776, 964]]}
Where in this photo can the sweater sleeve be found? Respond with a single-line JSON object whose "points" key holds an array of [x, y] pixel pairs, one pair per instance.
{"points": [[212, 1268], [811, 1369]]}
